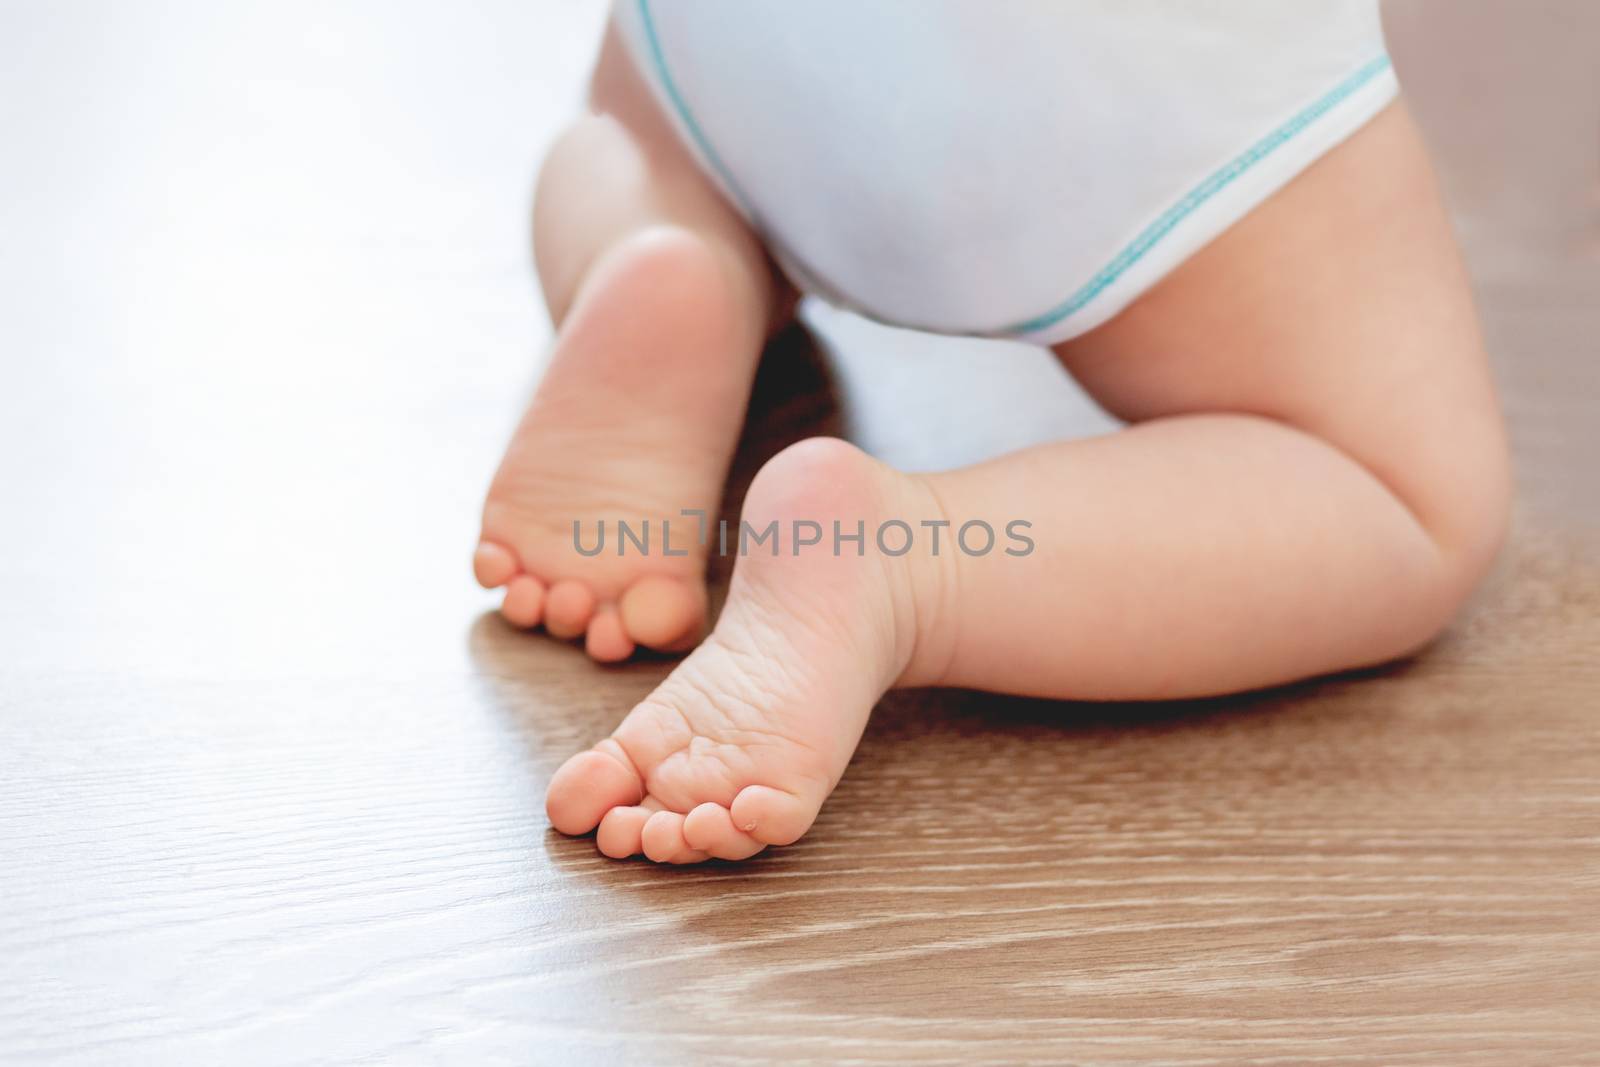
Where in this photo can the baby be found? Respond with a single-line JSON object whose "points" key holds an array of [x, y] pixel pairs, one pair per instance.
{"points": [[1218, 217]]}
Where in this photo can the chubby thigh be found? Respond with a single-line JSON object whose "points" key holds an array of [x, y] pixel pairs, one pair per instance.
{"points": [[1315, 475]]}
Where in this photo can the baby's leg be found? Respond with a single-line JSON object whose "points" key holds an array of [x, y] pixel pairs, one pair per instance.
{"points": [[1315, 479], [1316, 474], [662, 300]]}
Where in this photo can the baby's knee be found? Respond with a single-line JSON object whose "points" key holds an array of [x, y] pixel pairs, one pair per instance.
{"points": [[1475, 513], [1466, 512]]}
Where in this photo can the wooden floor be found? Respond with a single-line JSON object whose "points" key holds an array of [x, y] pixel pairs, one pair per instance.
{"points": [[271, 775]]}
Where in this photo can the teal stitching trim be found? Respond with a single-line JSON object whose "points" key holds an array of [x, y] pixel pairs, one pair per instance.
{"points": [[1212, 185], [660, 60], [1123, 260]]}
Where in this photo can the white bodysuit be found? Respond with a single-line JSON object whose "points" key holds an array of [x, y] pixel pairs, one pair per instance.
{"points": [[1012, 168]]}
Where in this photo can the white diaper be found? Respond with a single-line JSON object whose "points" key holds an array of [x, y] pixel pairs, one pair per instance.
{"points": [[1011, 168]]}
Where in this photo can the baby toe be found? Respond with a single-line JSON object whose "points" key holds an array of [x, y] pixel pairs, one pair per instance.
{"points": [[493, 565], [772, 816], [709, 828]]}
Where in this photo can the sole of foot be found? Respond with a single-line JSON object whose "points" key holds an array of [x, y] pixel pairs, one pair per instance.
{"points": [[738, 748], [633, 422]]}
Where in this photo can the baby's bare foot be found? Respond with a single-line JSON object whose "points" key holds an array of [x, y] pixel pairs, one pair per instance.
{"points": [[634, 421], [740, 746]]}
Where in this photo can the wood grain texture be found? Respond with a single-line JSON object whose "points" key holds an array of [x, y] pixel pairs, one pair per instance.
{"points": [[271, 776]]}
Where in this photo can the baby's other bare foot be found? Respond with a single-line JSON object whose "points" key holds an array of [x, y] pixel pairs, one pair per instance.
{"points": [[740, 746], [634, 421]]}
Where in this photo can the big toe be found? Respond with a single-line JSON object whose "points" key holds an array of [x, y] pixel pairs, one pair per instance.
{"points": [[590, 784], [666, 614]]}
